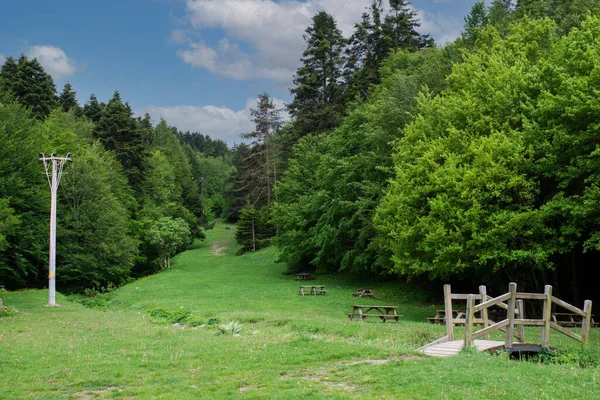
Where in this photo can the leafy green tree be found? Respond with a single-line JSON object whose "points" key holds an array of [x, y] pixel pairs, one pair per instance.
{"points": [[318, 103], [169, 236], [8, 223], [329, 193]]}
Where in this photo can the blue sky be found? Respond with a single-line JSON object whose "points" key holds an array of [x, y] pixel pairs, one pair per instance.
{"points": [[197, 63]]}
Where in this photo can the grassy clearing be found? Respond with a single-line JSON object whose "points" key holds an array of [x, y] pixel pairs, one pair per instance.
{"points": [[290, 346]]}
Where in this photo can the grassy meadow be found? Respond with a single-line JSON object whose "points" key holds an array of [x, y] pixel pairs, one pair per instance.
{"points": [[290, 346]]}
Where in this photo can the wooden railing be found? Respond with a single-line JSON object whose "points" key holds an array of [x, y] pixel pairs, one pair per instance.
{"points": [[514, 308]]}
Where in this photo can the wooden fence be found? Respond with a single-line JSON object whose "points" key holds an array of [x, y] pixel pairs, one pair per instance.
{"points": [[477, 313]]}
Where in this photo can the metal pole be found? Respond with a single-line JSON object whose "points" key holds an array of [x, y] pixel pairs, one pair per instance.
{"points": [[52, 273], [53, 176]]}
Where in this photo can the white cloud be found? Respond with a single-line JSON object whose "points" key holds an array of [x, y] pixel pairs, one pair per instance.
{"points": [[217, 122], [54, 60], [273, 32], [2, 58]]}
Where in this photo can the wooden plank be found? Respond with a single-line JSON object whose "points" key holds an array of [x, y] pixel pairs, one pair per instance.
{"points": [[484, 311], [530, 322], [448, 308], [510, 315], [491, 328], [531, 296], [568, 306], [546, 315], [457, 296], [521, 327], [469, 320], [585, 327], [565, 331], [492, 302]]}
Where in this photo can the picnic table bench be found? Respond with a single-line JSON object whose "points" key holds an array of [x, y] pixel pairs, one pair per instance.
{"points": [[304, 276], [384, 312], [440, 316], [312, 289], [1, 288], [569, 319], [364, 292]]}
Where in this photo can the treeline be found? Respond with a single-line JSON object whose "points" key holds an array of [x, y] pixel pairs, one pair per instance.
{"points": [[474, 162], [135, 195]]}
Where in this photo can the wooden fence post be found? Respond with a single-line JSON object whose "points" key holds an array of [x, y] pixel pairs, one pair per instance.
{"points": [[585, 326], [547, 313], [448, 310], [469, 320], [484, 312], [521, 327], [510, 315]]}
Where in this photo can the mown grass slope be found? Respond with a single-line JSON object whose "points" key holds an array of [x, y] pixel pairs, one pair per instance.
{"points": [[291, 346]]}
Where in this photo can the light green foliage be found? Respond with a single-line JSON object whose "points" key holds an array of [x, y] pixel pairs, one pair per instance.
{"points": [[330, 191], [169, 236], [491, 173]]}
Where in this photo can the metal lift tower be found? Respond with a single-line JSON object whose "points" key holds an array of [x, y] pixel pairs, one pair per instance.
{"points": [[53, 166]]}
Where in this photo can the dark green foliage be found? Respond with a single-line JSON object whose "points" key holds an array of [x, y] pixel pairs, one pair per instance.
{"points": [[67, 99], [31, 86], [254, 228], [474, 22], [119, 132], [93, 109], [318, 103], [204, 144]]}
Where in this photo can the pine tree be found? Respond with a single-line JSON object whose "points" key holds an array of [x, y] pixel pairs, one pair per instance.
{"points": [[118, 131], [477, 19], [263, 157], [30, 84], [67, 99], [400, 27], [93, 109], [318, 103]]}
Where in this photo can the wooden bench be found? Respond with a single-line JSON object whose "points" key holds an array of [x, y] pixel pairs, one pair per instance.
{"points": [[304, 276], [570, 320], [312, 289], [440, 316], [2, 288], [363, 292], [362, 312]]}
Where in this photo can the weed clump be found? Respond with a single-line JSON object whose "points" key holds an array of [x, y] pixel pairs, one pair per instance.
{"points": [[583, 357], [180, 317], [8, 312], [232, 328]]}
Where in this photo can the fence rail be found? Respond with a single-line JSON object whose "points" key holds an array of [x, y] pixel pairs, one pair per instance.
{"points": [[512, 303]]}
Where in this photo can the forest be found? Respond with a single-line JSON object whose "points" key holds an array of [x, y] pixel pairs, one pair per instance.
{"points": [[471, 162]]}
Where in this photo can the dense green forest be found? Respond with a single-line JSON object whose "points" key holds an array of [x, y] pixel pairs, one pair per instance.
{"points": [[471, 162]]}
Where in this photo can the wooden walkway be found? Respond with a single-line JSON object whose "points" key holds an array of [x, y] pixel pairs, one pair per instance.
{"points": [[454, 347]]}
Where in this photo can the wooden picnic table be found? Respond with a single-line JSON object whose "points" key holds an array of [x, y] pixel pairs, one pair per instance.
{"points": [[570, 319], [312, 289], [384, 312], [304, 276], [364, 292], [440, 316]]}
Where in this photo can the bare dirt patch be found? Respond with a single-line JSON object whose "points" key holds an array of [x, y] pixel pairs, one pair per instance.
{"points": [[218, 248], [88, 394]]}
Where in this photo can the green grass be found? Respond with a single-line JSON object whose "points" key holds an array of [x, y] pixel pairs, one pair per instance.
{"points": [[291, 346]]}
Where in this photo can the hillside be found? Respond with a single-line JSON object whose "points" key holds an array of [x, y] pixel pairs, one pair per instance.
{"points": [[290, 346]]}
